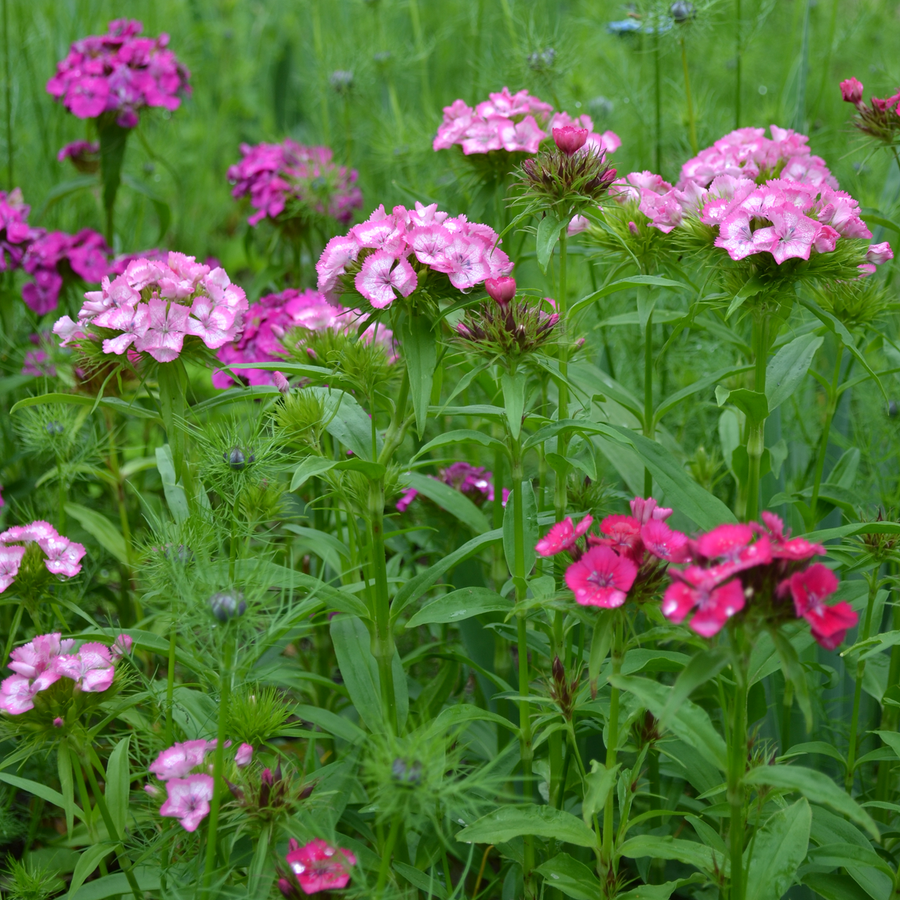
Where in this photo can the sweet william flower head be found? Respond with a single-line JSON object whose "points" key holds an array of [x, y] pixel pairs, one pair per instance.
{"points": [[317, 866], [809, 590], [563, 536], [187, 799], [601, 578]]}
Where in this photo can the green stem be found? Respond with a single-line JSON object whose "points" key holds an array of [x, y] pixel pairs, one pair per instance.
{"points": [[14, 629], [692, 122], [863, 635], [649, 430], [657, 97], [10, 179], [737, 763], [386, 853], [319, 47], [218, 764], [562, 412], [833, 397], [612, 749], [756, 428], [416, 21], [170, 686], [738, 52], [124, 862], [383, 639], [889, 719]]}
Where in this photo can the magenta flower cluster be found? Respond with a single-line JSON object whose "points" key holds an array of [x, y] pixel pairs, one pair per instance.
{"points": [[267, 323], [316, 866], [395, 250], [189, 791], [40, 663], [119, 73], [61, 556], [474, 482], [154, 308], [289, 180], [516, 123], [748, 153], [15, 232]]}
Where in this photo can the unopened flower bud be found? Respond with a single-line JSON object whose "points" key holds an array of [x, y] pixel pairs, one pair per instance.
{"points": [[570, 139], [55, 427], [633, 228], [851, 91], [682, 11], [58, 722], [306, 790], [266, 777], [559, 673], [406, 772], [501, 290], [281, 383], [237, 459], [277, 330], [341, 81], [286, 888], [227, 605], [879, 253]]}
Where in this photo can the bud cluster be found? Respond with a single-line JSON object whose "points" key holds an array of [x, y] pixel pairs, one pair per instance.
{"points": [[881, 120], [570, 173]]}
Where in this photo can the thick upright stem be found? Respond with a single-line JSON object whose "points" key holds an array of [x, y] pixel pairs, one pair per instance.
{"points": [[383, 640], [657, 96], [612, 747], [692, 121], [737, 764], [833, 398], [738, 52], [170, 686], [649, 429], [889, 719], [560, 496], [756, 428], [218, 765], [864, 633]]}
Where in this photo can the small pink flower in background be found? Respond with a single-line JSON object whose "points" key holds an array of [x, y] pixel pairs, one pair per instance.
{"points": [[121, 647], [243, 755], [852, 91], [577, 225], [647, 510], [562, 536], [179, 759], [187, 799], [601, 578], [318, 866], [715, 605], [809, 590], [475, 482], [62, 556]]}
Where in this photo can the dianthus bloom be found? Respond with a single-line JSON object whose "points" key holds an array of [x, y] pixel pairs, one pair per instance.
{"points": [[60, 556], [15, 232], [160, 309], [189, 787], [752, 570], [474, 482], [289, 181], [42, 662], [53, 256], [119, 73], [514, 123], [316, 866], [748, 153], [390, 254], [84, 155], [268, 322]]}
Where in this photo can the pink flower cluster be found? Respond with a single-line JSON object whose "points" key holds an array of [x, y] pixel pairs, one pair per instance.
{"points": [[629, 549], [474, 482], [734, 565], [40, 663], [516, 123], [316, 866], [188, 792], [61, 556], [267, 323], [15, 232], [54, 254], [154, 307], [748, 153], [289, 180], [390, 252], [119, 73]]}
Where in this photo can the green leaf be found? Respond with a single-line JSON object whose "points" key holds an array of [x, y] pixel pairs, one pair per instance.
{"points": [[88, 860], [459, 436], [450, 499], [352, 647], [752, 403], [175, 496], [529, 509], [655, 891], [114, 403], [330, 722], [621, 284], [325, 545], [39, 790], [428, 884], [705, 509], [601, 641], [689, 722], [66, 783], [420, 353], [788, 367], [514, 400], [572, 878], [645, 303], [690, 852], [118, 784], [163, 210], [702, 668], [794, 674], [317, 465], [101, 529], [815, 786], [464, 715], [547, 235], [147, 878], [508, 822], [750, 289], [778, 850], [458, 605], [347, 421], [835, 886], [113, 139], [597, 787], [848, 856], [675, 400]]}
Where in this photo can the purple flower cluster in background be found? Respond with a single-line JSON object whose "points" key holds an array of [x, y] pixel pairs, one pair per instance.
{"points": [[119, 73], [516, 123], [289, 180], [267, 323], [15, 232], [399, 248], [154, 307], [474, 482]]}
